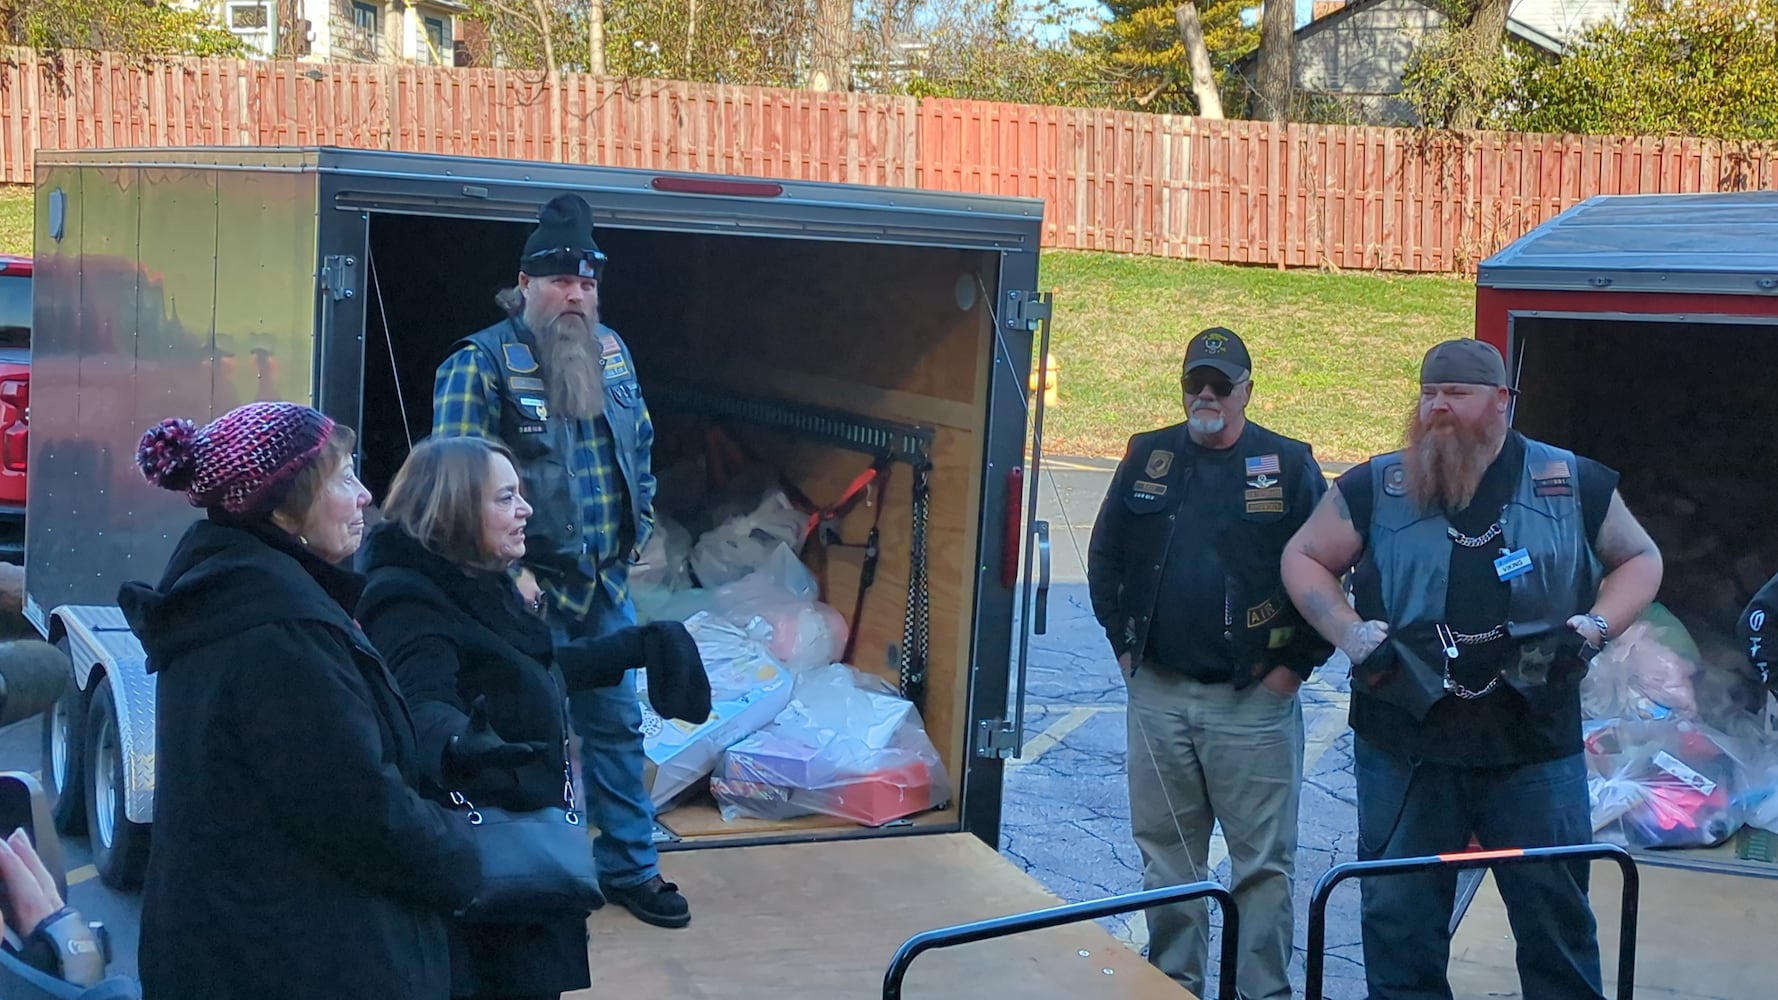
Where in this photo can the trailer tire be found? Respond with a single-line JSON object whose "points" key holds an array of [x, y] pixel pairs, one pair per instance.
{"points": [[64, 758], [120, 847]]}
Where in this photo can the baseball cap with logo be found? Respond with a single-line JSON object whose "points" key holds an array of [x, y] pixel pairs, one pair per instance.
{"points": [[1219, 348]]}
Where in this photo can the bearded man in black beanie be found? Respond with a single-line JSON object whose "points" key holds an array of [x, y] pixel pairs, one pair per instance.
{"points": [[559, 389]]}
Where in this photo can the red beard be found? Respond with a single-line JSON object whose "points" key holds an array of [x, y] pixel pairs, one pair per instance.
{"points": [[1444, 459]]}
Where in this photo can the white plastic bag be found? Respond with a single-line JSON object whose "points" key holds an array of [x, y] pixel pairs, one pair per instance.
{"points": [[846, 746], [741, 544], [805, 633], [747, 690], [1666, 783], [1637, 676]]}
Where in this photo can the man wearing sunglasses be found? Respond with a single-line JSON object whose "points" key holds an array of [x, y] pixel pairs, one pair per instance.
{"points": [[559, 389], [1183, 574]]}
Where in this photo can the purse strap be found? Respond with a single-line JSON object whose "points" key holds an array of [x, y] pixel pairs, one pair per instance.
{"points": [[573, 815]]}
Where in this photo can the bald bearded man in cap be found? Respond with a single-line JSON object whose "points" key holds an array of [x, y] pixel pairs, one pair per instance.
{"points": [[1488, 569]]}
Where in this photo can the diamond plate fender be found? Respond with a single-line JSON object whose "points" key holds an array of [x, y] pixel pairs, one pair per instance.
{"points": [[99, 639]]}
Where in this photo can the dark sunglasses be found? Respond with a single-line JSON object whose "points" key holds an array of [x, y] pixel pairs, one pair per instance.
{"points": [[1218, 383], [588, 263]]}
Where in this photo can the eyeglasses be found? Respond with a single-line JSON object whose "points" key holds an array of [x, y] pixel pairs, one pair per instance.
{"points": [[1197, 380], [588, 263]]}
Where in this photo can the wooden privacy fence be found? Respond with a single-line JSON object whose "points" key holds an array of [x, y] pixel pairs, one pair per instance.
{"points": [[1247, 192]]}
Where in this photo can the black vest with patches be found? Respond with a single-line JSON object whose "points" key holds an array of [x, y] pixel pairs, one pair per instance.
{"points": [[556, 539], [1266, 631]]}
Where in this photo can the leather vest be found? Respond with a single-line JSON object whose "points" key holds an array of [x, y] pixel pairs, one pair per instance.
{"points": [[557, 538], [1265, 629], [1410, 554]]}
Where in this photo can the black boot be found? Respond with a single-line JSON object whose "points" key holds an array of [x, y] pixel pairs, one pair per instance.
{"points": [[656, 901]]}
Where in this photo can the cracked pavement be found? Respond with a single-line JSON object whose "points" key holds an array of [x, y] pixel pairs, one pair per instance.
{"points": [[1066, 817]]}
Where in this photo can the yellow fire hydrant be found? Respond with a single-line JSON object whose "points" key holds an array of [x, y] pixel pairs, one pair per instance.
{"points": [[1050, 367]]}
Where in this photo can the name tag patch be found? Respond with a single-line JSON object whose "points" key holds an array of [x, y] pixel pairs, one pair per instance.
{"points": [[1515, 563], [538, 407], [525, 383], [1269, 493], [1265, 506], [1150, 491]]}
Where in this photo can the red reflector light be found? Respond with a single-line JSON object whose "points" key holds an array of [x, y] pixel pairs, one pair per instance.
{"points": [[15, 438], [738, 189]]}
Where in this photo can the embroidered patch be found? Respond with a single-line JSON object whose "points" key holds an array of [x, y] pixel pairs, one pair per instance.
{"points": [[1395, 481], [1258, 464], [1260, 482], [1557, 469], [615, 367], [531, 428], [518, 359], [1281, 637], [1257, 616], [538, 407], [608, 345], [524, 383], [1150, 491], [1265, 506], [1159, 464], [1552, 489], [1269, 493]]}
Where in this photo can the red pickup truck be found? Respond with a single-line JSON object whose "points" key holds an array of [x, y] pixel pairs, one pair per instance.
{"points": [[15, 401]]}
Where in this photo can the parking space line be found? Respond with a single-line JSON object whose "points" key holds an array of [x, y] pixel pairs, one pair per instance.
{"points": [[1058, 731], [82, 874]]}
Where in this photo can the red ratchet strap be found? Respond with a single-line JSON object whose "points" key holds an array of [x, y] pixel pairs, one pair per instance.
{"points": [[823, 529]]}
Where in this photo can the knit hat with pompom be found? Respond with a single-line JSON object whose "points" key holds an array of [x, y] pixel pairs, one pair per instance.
{"points": [[242, 462]]}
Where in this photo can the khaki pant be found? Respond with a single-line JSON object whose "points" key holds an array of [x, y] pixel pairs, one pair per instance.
{"points": [[1200, 754]]}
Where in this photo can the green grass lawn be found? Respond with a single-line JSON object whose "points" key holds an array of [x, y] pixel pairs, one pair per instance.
{"points": [[1334, 354]]}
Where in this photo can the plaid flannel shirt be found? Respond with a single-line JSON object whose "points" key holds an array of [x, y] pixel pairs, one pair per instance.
{"points": [[466, 403]]}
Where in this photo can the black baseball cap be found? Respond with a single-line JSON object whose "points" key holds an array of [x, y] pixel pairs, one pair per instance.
{"points": [[1463, 361], [1219, 348]]}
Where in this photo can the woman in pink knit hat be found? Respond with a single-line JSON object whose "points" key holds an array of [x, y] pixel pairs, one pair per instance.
{"points": [[291, 855]]}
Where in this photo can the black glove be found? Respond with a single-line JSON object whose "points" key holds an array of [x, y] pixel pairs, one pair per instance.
{"points": [[479, 747], [678, 687], [601, 660]]}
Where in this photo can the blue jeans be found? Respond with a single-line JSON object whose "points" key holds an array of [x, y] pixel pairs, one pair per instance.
{"points": [[609, 724], [1408, 808]]}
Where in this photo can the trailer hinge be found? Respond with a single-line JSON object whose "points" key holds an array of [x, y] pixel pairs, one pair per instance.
{"points": [[339, 275], [995, 738], [1025, 310]]}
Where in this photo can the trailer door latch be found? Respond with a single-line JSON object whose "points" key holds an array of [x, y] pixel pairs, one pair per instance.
{"points": [[339, 275], [996, 738], [1025, 310]]}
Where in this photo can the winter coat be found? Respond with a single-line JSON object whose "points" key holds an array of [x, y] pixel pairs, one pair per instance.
{"points": [[452, 636], [292, 856]]}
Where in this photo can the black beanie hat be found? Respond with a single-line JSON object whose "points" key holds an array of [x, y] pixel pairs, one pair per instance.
{"points": [[563, 243]]}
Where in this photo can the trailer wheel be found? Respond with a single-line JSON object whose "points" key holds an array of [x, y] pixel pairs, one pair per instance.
{"points": [[64, 755], [120, 847]]}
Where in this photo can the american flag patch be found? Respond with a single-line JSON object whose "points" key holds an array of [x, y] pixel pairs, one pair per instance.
{"points": [[1551, 470], [1259, 464]]}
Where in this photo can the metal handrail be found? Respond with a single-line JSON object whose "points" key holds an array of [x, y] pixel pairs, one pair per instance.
{"points": [[1626, 959], [1036, 920]]}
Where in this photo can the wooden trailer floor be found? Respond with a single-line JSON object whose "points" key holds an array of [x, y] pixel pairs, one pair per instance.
{"points": [[1701, 936], [821, 920]]}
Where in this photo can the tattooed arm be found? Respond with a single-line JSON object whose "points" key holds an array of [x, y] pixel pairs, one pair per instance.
{"points": [[1632, 572], [1322, 550]]}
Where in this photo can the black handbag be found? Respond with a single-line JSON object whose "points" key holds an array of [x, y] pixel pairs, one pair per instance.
{"points": [[536, 864]]}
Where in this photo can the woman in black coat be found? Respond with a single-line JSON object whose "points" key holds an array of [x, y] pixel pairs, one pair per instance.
{"points": [[488, 690], [292, 856]]}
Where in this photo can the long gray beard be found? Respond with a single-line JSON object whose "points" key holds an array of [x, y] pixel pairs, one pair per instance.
{"points": [[570, 348]]}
